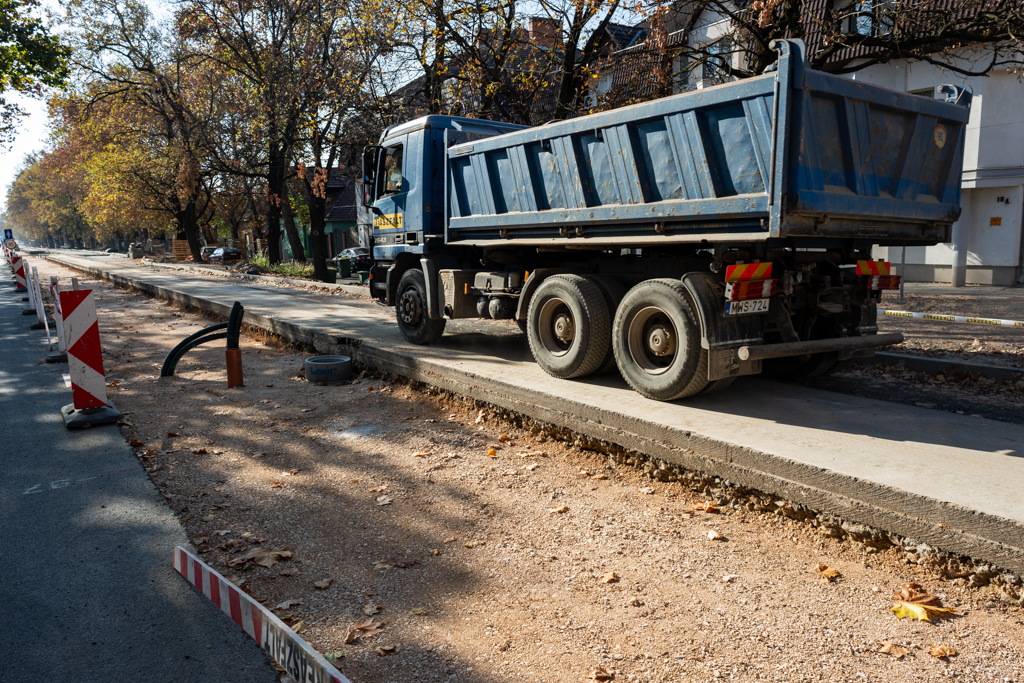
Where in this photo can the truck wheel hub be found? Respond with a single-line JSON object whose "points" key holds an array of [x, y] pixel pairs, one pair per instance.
{"points": [[410, 307], [564, 328], [660, 341]]}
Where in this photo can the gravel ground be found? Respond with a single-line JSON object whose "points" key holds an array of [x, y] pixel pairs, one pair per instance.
{"points": [[490, 554]]}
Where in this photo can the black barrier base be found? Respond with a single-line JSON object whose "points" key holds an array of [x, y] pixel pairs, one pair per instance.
{"points": [[36, 326], [24, 298], [89, 417], [57, 358], [28, 311]]}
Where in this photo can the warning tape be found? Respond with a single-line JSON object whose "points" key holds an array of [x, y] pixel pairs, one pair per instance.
{"points": [[302, 662], [953, 318]]}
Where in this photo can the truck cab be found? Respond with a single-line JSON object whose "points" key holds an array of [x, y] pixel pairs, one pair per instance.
{"points": [[405, 179]]}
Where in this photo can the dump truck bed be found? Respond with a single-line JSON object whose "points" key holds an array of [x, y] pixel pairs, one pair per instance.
{"points": [[791, 153]]}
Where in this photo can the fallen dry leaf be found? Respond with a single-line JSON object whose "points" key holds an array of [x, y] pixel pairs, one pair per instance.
{"points": [[472, 544], [600, 476], [532, 467], [435, 551], [200, 451], [209, 518], [266, 557], [277, 485], [383, 650], [136, 443], [384, 500], [894, 650], [602, 674], [715, 536], [419, 611], [826, 572], [559, 510], [218, 489], [503, 438], [705, 507], [363, 628], [288, 604], [299, 627], [293, 472], [371, 609], [421, 454], [450, 539], [290, 571], [941, 651], [383, 565], [914, 603], [491, 453], [610, 577], [323, 585], [171, 435]]}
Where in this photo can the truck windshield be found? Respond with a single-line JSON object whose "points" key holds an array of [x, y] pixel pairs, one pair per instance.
{"points": [[393, 169]]}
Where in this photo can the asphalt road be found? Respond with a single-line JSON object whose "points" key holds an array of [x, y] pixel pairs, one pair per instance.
{"points": [[88, 591]]}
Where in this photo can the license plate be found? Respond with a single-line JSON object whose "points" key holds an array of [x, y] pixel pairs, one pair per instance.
{"points": [[746, 307]]}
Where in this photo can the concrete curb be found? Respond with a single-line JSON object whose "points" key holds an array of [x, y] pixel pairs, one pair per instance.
{"points": [[926, 364], [358, 290], [943, 525]]}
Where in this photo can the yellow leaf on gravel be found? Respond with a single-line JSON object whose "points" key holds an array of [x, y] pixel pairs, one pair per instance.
{"points": [[491, 453], [419, 611], [941, 651], [503, 438], [610, 577], [826, 572], [915, 610], [559, 510], [893, 649]]}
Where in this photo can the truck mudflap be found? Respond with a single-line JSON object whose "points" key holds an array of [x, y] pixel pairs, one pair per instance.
{"points": [[845, 346], [722, 336]]}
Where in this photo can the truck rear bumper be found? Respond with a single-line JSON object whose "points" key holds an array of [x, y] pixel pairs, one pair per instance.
{"points": [[748, 353]]}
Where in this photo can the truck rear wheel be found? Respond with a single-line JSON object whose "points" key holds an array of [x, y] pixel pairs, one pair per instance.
{"points": [[613, 291], [656, 340], [411, 310], [568, 326]]}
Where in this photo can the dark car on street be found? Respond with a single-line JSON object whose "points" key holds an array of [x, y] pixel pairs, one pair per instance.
{"points": [[225, 255], [360, 257]]}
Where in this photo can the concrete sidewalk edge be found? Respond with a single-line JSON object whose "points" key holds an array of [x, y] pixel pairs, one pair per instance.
{"points": [[945, 526]]}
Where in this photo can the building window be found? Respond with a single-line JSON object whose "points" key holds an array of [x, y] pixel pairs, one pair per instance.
{"points": [[870, 18], [711, 68]]}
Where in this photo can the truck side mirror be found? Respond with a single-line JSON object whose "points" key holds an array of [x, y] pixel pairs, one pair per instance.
{"points": [[371, 155]]}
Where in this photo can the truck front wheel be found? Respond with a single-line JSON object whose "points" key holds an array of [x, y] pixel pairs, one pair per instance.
{"points": [[568, 326], [656, 341], [411, 309]]}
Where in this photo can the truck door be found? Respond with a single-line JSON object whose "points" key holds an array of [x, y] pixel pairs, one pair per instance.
{"points": [[392, 195]]}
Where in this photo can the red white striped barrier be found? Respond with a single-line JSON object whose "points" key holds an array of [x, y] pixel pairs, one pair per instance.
{"points": [[18, 265], [85, 363], [58, 318], [302, 662]]}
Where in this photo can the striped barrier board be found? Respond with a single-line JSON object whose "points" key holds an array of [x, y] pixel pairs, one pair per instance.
{"points": [[748, 271], [302, 662], [85, 356], [19, 273], [873, 268], [953, 318]]}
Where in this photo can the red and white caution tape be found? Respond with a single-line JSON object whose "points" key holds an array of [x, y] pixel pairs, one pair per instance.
{"points": [[85, 355], [952, 318], [302, 662]]}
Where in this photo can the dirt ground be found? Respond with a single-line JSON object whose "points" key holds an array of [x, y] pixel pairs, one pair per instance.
{"points": [[488, 554]]}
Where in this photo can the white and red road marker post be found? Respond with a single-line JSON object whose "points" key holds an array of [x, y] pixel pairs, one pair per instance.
{"points": [[42, 323], [85, 363], [18, 264], [30, 290], [302, 662], [58, 322]]}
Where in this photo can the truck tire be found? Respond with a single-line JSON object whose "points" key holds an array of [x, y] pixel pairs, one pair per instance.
{"points": [[568, 326], [411, 310], [656, 340], [613, 291]]}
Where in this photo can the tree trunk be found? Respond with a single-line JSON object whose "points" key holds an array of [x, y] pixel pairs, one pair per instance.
{"points": [[187, 225], [317, 235], [294, 239], [275, 198]]}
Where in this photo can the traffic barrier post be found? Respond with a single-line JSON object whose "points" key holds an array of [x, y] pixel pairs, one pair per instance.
{"points": [[37, 296], [58, 322], [85, 363], [31, 298], [19, 274]]}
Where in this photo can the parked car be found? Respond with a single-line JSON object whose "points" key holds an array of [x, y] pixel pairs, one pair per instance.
{"points": [[360, 257], [206, 252], [225, 255]]}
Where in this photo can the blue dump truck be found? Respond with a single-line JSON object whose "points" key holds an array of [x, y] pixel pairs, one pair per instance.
{"points": [[685, 241]]}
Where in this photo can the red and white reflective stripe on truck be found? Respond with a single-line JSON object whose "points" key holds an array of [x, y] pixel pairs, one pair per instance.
{"points": [[873, 268], [756, 289], [748, 271]]}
